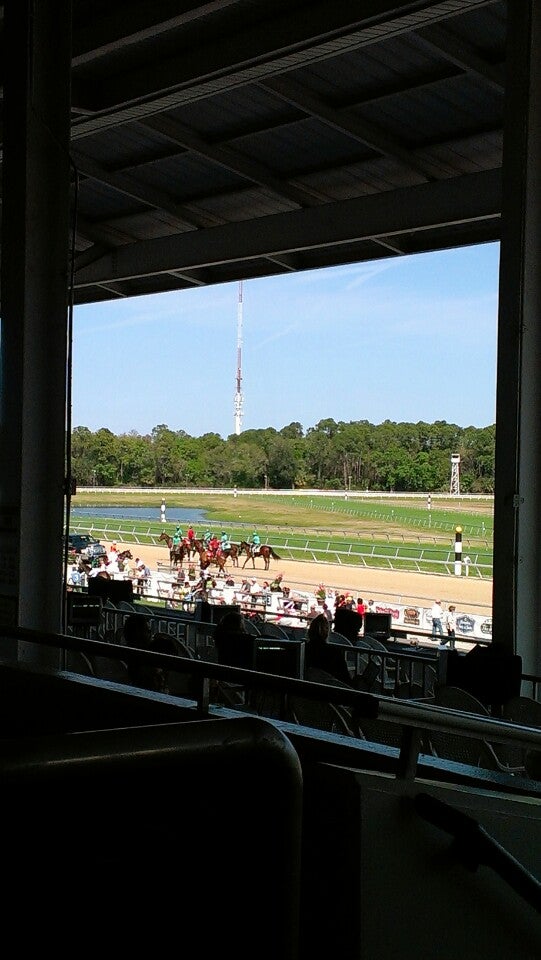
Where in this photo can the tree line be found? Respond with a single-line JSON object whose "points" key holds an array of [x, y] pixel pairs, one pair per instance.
{"points": [[357, 455]]}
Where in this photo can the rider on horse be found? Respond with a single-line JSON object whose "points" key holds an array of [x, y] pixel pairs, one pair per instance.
{"points": [[214, 543], [225, 542], [207, 536], [256, 543], [177, 537], [191, 534]]}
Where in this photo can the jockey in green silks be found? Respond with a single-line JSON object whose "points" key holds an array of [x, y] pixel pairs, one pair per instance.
{"points": [[256, 543], [225, 542]]}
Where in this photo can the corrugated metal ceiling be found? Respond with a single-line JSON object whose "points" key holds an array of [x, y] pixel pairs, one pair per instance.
{"points": [[222, 140]]}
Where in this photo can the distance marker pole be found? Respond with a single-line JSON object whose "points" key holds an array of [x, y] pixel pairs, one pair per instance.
{"points": [[458, 551]]}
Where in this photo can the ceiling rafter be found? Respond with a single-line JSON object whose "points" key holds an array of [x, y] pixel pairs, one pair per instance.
{"points": [[463, 55], [259, 52], [471, 197]]}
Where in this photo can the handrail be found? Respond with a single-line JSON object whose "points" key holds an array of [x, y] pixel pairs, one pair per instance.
{"points": [[422, 716], [475, 846]]}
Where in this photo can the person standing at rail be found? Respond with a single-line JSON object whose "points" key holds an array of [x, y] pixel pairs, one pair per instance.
{"points": [[450, 626], [437, 614]]}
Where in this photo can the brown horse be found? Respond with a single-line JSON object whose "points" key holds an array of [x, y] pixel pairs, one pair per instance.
{"points": [[265, 551], [205, 559], [84, 567], [122, 557], [233, 552], [176, 553]]}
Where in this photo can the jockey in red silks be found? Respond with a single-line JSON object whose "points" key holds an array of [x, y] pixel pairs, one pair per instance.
{"points": [[191, 534], [214, 543]]}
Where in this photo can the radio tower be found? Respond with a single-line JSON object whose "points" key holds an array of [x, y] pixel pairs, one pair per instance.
{"points": [[239, 399]]}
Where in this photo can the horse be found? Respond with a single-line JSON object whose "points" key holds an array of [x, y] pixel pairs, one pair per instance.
{"points": [[176, 553], [84, 567], [233, 552], [194, 547], [122, 556], [265, 551], [205, 559]]}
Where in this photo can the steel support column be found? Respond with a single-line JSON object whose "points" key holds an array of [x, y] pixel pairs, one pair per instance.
{"points": [[35, 231], [517, 507]]}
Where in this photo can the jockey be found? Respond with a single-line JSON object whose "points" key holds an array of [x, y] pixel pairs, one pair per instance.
{"points": [[191, 534], [225, 542], [214, 543], [256, 543], [177, 536], [207, 536]]}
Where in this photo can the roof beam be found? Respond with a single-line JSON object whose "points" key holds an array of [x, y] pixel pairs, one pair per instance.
{"points": [[232, 160], [424, 207], [185, 216], [463, 55], [352, 125], [274, 47]]}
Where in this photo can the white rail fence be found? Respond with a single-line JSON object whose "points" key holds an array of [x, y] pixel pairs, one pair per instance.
{"points": [[313, 549]]}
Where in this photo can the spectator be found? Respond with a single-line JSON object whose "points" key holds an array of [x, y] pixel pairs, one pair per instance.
{"points": [[143, 575], [437, 614], [112, 554], [327, 613], [450, 626], [112, 566], [255, 591], [361, 609], [100, 570], [75, 579], [322, 655]]}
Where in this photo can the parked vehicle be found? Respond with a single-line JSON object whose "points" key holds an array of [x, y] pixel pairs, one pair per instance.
{"points": [[77, 542], [93, 551]]}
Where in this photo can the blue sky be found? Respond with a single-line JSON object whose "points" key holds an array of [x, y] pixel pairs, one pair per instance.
{"points": [[405, 339]]}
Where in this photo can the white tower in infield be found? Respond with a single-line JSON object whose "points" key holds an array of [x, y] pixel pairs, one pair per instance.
{"points": [[239, 399], [454, 489]]}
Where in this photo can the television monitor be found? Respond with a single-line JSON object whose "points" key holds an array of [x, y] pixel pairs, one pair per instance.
{"points": [[378, 625], [282, 657], [348, 623], [113, 590]]}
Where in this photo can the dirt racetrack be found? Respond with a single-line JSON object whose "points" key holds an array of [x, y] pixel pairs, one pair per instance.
{"points": [[470, 594]]}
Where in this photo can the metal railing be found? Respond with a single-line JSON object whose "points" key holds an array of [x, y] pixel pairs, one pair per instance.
{"points": [[315, 549], [413, 716]]}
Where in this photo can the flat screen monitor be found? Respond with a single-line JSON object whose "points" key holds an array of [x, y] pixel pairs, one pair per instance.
{"points": [[113, 590], [378, 625], [282, 657]]}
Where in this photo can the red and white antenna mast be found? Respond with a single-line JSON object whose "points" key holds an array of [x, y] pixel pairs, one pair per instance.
{"points": [[239, 399]]}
